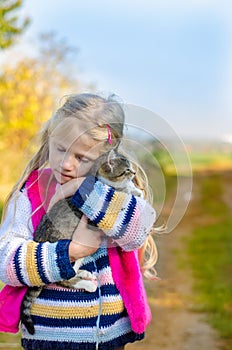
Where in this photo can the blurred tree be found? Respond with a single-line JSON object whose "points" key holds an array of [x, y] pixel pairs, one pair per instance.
{"points": [[29, 89], [9, 27]]}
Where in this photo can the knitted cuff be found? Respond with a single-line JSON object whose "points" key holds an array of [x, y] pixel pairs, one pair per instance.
{"points": [[83, 191], [63, 261]]}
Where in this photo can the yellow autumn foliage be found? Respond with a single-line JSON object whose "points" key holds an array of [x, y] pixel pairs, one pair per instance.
{"points": [[29, 93], [27, 99]]}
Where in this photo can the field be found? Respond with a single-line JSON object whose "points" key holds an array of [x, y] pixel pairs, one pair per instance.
{"points": [[192, 303]]}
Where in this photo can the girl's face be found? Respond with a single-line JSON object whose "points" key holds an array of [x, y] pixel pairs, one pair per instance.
{"points": [[72, 152]]}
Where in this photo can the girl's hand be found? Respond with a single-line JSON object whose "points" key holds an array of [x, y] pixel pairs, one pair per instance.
{"points": [[66, 190], [85, 241]]}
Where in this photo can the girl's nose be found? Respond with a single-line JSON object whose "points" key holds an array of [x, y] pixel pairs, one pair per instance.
{"points": [[68, 162]]}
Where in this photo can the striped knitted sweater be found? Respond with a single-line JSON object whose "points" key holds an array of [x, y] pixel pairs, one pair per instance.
{"points": [[30, 263]]}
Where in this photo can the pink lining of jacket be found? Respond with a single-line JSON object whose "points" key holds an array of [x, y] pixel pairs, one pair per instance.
{"points": [[124, 265]]}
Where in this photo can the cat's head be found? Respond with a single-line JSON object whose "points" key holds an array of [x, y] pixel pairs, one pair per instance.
{"points": [[114, 167]]}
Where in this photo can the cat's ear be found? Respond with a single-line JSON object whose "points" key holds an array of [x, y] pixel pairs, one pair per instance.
{"points": [[111, 155]]}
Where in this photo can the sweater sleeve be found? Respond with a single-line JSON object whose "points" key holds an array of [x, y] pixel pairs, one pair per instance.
{"points": [[124, 218], [23, 261]]}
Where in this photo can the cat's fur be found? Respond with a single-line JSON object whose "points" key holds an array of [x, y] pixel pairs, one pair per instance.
{"points": [[60, 222]]}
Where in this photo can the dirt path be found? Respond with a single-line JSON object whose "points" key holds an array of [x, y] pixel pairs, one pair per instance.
{"points": [[175, 326]]}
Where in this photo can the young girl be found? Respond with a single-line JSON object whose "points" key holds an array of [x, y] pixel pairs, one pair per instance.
{"points": [[117, 313]]}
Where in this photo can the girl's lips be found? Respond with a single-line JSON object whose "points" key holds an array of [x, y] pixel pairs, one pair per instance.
{"points": [[64, 177]]}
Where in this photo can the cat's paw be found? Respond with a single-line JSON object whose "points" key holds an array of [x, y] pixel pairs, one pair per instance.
{"points": [[84, 274], [88, 285], [137, 192], [83, 280]]}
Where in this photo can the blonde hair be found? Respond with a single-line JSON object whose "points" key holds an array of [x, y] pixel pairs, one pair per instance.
{"points": [[100, 114]]}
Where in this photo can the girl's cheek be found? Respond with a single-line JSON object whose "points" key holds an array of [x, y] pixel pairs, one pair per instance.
{"points": [[54, 161], [83, 170], [58, 159]]}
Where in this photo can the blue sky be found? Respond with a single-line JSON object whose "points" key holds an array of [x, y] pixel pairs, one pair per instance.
{"points": [[172, 57]]}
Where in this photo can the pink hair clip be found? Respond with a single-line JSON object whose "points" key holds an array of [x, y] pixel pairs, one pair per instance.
{"points": [[109, 134]]}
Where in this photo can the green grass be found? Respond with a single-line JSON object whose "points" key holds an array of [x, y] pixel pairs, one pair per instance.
{"points": [[1, 208], [210, 255], [207, 158], [211, 197], [212, 160]]}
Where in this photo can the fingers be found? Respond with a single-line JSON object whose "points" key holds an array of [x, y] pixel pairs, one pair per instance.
{"points": [[86, 236], [66, 190], [83, 221]]}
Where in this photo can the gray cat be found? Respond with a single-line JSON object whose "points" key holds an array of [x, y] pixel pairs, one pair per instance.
{"points": [[113, 169]]}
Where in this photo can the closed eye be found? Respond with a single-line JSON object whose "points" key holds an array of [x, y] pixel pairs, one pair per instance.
{"points": [[61, 149], [83, 160]]}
